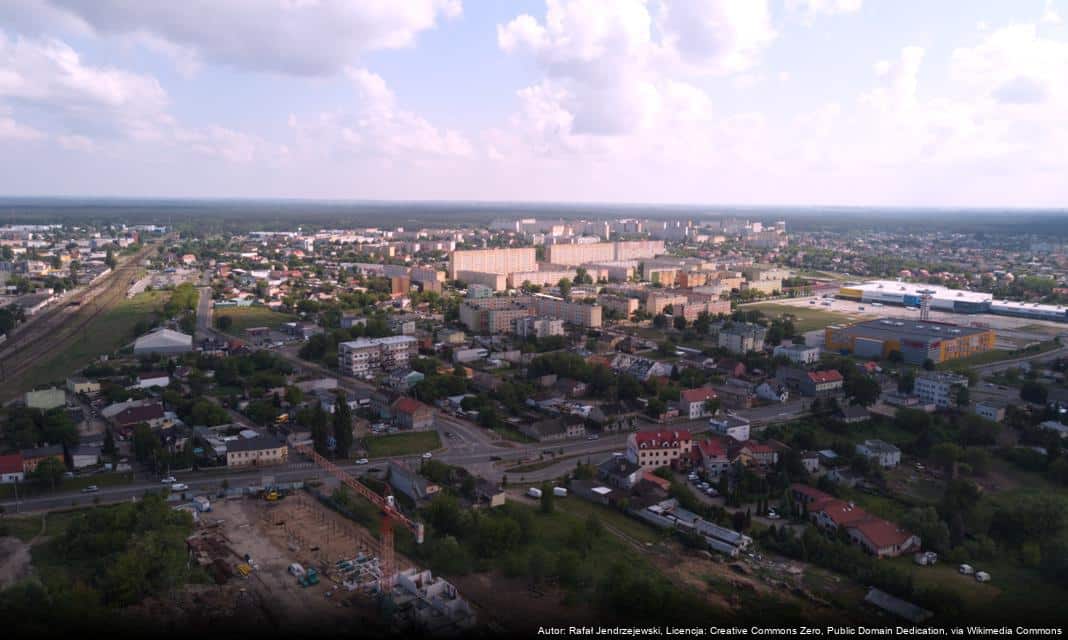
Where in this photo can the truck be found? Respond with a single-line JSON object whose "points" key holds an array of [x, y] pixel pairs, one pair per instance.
{"points": [[560, 492], [533, 492]]}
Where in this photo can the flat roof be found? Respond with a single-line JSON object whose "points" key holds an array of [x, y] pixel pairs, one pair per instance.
{"points": [[894, 328], [914, 288]]}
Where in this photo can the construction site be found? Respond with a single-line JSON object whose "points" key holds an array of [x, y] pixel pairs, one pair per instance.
{"points": [[296, 562]]}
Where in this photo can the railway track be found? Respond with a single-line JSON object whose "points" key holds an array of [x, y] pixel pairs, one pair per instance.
{"points": [[48, 334]]}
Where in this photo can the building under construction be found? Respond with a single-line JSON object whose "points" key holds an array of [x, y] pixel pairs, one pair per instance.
{"points": [[917, 341]]}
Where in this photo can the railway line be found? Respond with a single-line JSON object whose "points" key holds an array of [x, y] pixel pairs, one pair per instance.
{"points": [[58, 326]]}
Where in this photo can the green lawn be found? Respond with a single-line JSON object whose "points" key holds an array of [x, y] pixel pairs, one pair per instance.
{"points": [[245, 317], [805, 319], [402, 444], [104, 334], [25, 528], [610, 517]]}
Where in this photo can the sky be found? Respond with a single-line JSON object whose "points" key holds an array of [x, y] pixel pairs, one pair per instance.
{"points": [[746, 102]]}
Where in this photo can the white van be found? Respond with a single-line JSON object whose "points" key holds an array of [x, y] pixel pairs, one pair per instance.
{"points": [[534, 493], [966, 569], [982, 576]]}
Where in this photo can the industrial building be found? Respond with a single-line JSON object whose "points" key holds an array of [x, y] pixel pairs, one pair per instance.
{"points": [[915, 340], [910, 294]]}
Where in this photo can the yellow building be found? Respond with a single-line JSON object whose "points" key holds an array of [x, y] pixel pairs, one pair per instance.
{"points": [[917, 341]]}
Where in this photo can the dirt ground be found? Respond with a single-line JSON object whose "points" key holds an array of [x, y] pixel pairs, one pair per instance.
{"points": [[14, 561], [511, 604]]}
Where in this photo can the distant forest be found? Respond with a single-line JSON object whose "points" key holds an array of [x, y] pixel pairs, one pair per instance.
{"points": [[244, 215]]}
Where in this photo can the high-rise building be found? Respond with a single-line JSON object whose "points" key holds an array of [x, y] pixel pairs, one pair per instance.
{"points": [[500, 261]]}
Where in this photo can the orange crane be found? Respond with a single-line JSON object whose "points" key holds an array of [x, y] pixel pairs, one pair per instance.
{"points": [[390, 515]]}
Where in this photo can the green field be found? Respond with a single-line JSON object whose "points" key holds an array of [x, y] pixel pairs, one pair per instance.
{"points": [[246, 317], [25, 528], [805, 319], [997, 355], [402, 444], [102, 335]]}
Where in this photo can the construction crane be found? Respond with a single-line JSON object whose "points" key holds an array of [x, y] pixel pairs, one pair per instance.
{"points": [[390, 516]]}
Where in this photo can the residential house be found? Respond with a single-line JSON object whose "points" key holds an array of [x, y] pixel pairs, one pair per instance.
{"points": [[731, 426], [990, 409], [772, 392], [713, 455], [822, 384], [11, 469], [35, 456], [257, 451], [413, 415], [555, 429], [736, 394], [853, 414], [883, 453], [742, 337], [619, 472], [799, 354], [81, 384], [409, 482], [810, 460], [880, 538], [615, 417], [149, 379], [150, 413], [404, 379], [694, 402], [655, 449]]}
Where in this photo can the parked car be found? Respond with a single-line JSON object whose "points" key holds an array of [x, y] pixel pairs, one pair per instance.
{"points": [[91, 489], [428, 455], [178, 486], [169, 480], [362, 461]]}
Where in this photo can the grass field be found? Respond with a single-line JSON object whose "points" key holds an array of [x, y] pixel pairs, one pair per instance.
{"points": [[611, 518], [104, 334], [402, 444], [25, 528], [246, 317], [997, 355], [804, 319]]}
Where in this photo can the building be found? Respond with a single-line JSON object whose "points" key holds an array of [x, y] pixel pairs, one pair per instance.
{"points": [[798, 354], [578, 254], [880, 538], [492, 315], [990, 409], [150, 413], [46, 399], [11, 469], [576, 313], [555, 429], [413, 415], [742, 337], [80, 384], [483, 281], [939, 388], [538, 327], [916, 341], [620, 472], [908, 294], [883, 453], [655, 449], [694, 402], [367, 356], [498, 261], [624, 307], [258, 451], [409, 482], [821, 384], [732, 426], [35, 456], [151, 379], [163, 341]]}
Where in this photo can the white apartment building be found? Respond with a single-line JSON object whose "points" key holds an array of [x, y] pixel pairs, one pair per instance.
{"points": [[799, 353], [367, 356], [939, 388]]}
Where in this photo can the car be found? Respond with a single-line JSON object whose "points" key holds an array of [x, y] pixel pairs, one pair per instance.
{"points": [[448, 434], [773, 516], [812, 302], [593, 437], [91, 489], [362, 461], [178, 486], [428, 455], [711, 491], [169, 480]]}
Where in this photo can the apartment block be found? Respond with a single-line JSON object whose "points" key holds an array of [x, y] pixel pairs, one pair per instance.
{"points": [[502, 261], [939, 388], [577, 313], [368, 356]]}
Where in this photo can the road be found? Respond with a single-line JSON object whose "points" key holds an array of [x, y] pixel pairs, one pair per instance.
{"points": [[204, 311], [1002, 365]]}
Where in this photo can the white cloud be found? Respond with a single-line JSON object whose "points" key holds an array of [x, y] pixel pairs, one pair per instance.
{"points": [[298, 37], [716, 36], [10, 129], [1050, 15], [376, 126], [812, 8]]}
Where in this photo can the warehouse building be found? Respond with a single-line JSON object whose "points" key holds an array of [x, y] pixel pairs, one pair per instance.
{"points": [[907, 294], [916, 341]]}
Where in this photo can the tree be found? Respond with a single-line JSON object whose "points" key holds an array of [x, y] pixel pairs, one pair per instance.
{"points": [[906, 382], [864, 390], [680, 322], [660, 321], [109, 260], [565, 286], [546, 498], [318, 430], [928, 365], [342, 426], [50, 471], [946, 455], [1032, 391], [109, 442], [962, 396]]}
